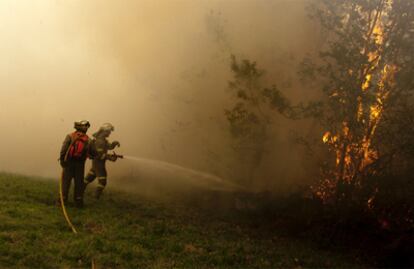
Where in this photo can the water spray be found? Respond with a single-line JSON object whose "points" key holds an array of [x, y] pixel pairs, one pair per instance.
{"points": [[187, 172]]}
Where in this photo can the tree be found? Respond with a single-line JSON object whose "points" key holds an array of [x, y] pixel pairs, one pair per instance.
{"points": [[250, 118], [365, 73]]}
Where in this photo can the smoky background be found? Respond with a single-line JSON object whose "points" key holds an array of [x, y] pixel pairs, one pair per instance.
{"points": [[158, 71]]}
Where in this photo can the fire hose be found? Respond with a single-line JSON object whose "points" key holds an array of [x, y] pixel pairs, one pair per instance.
{"points": [[62, 203]]}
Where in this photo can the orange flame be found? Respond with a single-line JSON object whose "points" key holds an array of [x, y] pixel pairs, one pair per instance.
{"points": [[354, 154]]}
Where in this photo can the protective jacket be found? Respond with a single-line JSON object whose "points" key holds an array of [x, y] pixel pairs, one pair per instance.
{"points": [[74, 151], [100, 147]]}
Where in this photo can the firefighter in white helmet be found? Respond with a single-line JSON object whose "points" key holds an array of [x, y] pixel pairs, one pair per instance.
{"points": [[100, 147]]}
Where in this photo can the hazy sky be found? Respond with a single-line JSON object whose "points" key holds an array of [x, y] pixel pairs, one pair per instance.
{"points": [[156, 69]]}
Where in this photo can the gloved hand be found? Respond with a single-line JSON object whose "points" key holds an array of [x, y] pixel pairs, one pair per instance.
{"points": [[116, 144], [111, 157]]}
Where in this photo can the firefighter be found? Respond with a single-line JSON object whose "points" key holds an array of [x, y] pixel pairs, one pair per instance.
{"points": [[73, 154], [100, 146]]}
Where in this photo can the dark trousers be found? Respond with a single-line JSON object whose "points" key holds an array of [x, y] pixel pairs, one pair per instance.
{"points": [[73, 170], [98, 171]]}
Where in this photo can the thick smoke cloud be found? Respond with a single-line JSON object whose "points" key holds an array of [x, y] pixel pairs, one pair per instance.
{"points": [[157, 70]]}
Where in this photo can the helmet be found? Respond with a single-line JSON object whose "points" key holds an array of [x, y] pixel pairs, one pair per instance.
{"points": [[107, 127], [82, 125], [105, 130]]}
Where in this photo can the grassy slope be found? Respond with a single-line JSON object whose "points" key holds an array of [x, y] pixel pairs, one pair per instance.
{"points": [[126, 231]]}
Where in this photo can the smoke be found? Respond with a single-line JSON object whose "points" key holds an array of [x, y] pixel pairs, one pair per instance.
{"points": [[157, 70]]}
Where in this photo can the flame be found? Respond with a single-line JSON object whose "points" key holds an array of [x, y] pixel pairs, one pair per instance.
{"points": [[355, 151], [325, 137], [378, 34], [369, 155], [366, 83], [375, 112], [370, 202], [345, 128]]}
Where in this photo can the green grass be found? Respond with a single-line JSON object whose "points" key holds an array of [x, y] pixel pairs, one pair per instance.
{"points": [[129, 231]]}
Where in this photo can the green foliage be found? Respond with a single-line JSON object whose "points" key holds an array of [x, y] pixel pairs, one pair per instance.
{"points": [[255, 107], [251, 117], [249, 121]]}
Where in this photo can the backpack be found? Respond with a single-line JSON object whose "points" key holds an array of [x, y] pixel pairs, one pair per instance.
{"points": [[78, 147]]}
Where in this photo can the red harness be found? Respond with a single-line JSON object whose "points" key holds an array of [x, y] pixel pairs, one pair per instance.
{"points": [[78, 147]]}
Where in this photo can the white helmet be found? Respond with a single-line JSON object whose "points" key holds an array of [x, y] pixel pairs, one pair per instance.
{"points": [[107, 127]]}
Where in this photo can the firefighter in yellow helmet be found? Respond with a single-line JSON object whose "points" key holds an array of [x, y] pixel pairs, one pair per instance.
{"points": [[100, 147]]}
